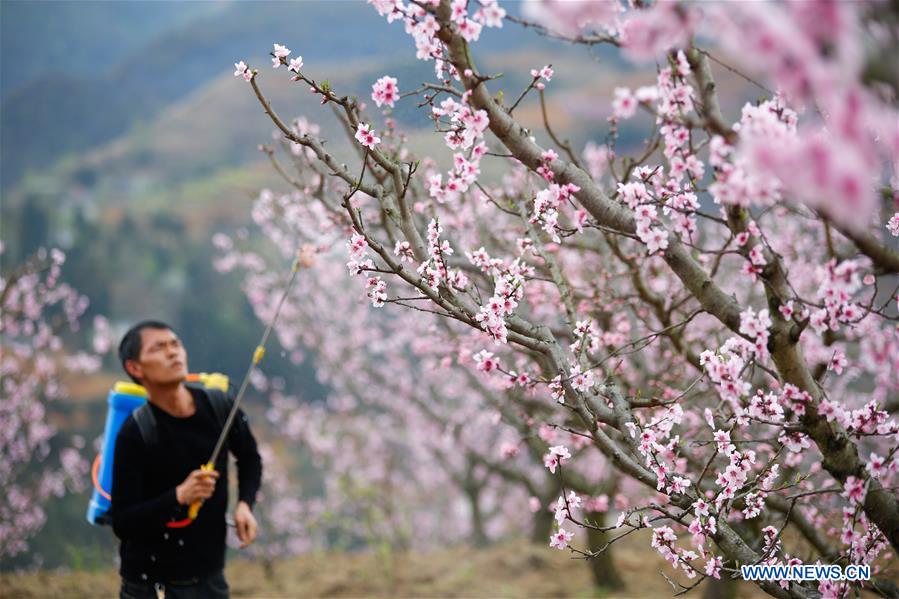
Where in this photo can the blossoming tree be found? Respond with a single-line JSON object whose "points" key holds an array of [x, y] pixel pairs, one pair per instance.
{"points": [[35, 464], [411, 451], [714, 313]]}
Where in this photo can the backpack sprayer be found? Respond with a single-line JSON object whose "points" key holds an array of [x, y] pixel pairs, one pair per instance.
{"points": [[126, 397]]}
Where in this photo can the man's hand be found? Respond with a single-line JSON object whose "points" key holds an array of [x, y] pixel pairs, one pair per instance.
{"points": [[199, 485], [245, 523]]}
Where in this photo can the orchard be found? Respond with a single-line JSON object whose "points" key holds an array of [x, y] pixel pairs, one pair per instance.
{"points": [[694, 342]]}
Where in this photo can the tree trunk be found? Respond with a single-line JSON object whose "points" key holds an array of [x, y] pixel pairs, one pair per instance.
{"points": [[726, 588], [602, 567], [268, 566], [478, 534], [542, 526]]}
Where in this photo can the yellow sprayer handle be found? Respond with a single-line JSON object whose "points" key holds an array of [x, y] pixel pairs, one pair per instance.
{"points": [[194, 508]]}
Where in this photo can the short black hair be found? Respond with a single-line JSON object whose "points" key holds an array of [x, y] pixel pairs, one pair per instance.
{"points": [[129, 348]]}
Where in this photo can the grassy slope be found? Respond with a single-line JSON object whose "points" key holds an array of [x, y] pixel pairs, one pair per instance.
{"points": [[505, 570]]}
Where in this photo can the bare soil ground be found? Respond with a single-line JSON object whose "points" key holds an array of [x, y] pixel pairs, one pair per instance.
{"points": [[505, 570]]}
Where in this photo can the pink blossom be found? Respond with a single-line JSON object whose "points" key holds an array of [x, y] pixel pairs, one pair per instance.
{"points": [[557, 390], [633, 193], [357, 247], [376, 289], [650, 32], [485, 360], [385, 91], [854, 489], [838, 362], [545, 73], [599, 504], [103, 340], [557, 454], [366, 137], [459, 10], [280, 52], [876, 466], [756, 327], [830, 410], [663, 536], [754, 504], [490, 14], [242, 70], [683, 65], [568, 17], [656, 239], [893, 225], [580, 379], [560, 538], [469, 29], [836, 172], [700, 508], [678, 485], [547, 433], [403, 250], [722, 440], [546, 172], [389, 8], [786, 310], [597, 159], [509, 450], [713, 567], [624, 106], [794, 441]]}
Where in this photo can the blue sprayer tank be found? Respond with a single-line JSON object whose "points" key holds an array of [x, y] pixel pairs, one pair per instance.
{"points": [[123, 399]]}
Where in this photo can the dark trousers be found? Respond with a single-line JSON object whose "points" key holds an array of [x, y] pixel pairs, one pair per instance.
{"points": [[212, 587]]}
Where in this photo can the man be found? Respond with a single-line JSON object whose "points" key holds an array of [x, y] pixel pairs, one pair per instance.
{"points": [[154, 482]]}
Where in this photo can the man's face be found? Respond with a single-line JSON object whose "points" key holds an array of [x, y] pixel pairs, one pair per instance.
{"points": [[162, 359]]}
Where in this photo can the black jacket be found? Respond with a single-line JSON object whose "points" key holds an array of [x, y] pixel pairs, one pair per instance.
{"points": [[143, 493]]}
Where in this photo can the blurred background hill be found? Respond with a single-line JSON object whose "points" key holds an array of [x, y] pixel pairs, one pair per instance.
{"points": [[78, 74]]}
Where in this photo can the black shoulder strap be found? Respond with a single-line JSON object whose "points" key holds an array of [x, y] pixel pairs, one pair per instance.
{"points": [[146, 423], [221, 404]]}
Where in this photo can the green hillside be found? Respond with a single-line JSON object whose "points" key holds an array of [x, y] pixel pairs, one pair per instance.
{"points": [[71, 109], [81, 37]]}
